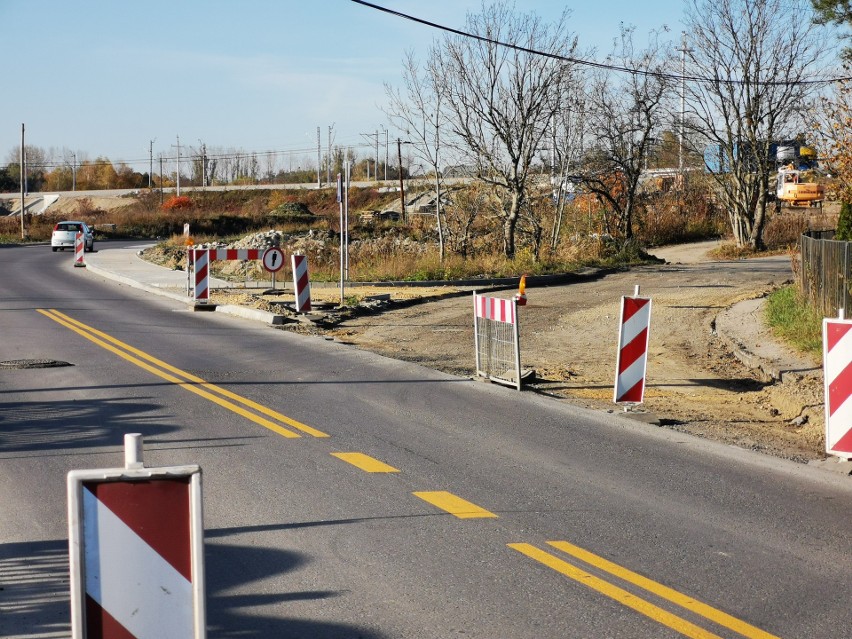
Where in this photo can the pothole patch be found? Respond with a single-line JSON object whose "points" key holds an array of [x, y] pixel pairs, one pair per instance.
{"points": [[32, 363]]}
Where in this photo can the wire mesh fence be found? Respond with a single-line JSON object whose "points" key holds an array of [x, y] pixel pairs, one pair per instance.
{"points": [[825, 272]]}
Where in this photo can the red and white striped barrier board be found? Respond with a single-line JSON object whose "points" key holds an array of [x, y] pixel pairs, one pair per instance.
{"points": [[136, 553], [495, 308], [202, 275], [837, 362], [632, 359], [235, 254], [230, 254], [301, 283], [79, 249]]}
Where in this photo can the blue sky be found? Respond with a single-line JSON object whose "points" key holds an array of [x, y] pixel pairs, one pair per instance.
{"points": [[103, 77]]}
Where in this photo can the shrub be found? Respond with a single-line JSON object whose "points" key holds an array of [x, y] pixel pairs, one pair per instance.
{"points": [[176, 203], [844, 223], [783, 230]]}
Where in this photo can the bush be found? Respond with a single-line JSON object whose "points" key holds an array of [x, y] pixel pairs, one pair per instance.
{"points": [[844, 223], [176, 203], [783, 230]]}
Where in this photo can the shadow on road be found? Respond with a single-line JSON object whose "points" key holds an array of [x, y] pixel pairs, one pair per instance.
{"points": [[84, 423]]}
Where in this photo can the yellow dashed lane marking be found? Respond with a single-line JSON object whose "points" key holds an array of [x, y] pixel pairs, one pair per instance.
{"points": [[365, 462], [454, 505]]}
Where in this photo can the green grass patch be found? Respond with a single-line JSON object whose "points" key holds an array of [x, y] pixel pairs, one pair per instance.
{"points": [[795, 321]]}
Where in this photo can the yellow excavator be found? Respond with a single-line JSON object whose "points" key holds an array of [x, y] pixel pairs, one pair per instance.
{"points": [[791, 191]]}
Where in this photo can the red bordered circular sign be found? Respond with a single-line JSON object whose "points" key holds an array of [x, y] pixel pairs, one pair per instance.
{"points": [[273, 259]]}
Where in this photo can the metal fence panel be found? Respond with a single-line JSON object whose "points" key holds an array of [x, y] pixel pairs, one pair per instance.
{"points": [[497, 343], [825, 271]]}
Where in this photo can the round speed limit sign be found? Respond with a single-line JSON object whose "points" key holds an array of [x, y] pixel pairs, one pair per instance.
{"points": [[273, 259]]}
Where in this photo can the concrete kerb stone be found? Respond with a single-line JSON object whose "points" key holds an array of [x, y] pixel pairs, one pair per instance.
{"points": [[742, 330]]}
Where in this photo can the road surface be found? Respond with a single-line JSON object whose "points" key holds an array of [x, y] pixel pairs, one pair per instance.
{"points": [[510, 514]]}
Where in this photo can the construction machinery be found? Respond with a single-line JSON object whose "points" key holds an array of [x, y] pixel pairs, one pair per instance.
{"points": [[792, 191]]}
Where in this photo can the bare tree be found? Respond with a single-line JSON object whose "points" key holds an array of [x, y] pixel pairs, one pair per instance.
{"points": [[566, 149], [756, 58], [419, 111], [624, 114], [500, 99]]}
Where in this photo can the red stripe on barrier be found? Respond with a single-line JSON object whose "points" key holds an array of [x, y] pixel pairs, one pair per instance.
{"points": [[844, 444], [145, 507], [99, 623], [633, 351], [840, 389], [635, 393], [633, 305], [835, 333]]}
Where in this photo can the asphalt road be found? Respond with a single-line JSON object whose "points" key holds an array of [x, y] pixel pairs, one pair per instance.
{"points": [[573, 523]]}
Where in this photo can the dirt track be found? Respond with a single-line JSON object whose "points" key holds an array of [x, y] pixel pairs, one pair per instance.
{"points": [[569, 334]]}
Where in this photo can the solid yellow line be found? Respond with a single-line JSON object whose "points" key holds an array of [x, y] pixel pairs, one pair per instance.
{"points": [[717, 616], [174, 380], [623, 597], [365, 462], [454, 505], [192, 378]]}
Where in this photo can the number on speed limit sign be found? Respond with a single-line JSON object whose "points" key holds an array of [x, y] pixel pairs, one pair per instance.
{"points": [[273, 259]]}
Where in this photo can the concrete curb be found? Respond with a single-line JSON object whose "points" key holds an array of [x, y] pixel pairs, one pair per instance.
{"points": [[741, 324]]}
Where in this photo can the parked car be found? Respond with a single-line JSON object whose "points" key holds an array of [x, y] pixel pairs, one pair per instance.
{"points": [[64, 235]]}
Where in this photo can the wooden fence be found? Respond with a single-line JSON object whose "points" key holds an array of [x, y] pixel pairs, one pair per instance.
{"points": [[825, 272]]}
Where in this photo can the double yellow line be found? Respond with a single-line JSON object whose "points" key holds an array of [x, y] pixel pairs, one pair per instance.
{"points": [[626, 598], [216, 394]]}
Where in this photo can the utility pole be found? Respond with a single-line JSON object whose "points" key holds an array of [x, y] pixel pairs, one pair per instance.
{"points": [[319, 159], [23, 235], [203, 164], [386, 154], [161, 179], [401, 184], [177, 192], [150, 162], [74, 171], [683, 51], [328, 158], [377, 156]]}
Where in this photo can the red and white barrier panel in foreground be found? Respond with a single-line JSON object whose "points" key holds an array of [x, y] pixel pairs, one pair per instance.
{"points": [[631, 363], [837, 362], [301, 283], [136, 552], [79, 249]]}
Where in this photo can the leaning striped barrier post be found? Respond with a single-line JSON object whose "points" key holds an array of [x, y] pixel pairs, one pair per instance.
{"points": [[136, 550], [79, 249], [837, 372], [496, 337], [631, 362], [301, 283]]}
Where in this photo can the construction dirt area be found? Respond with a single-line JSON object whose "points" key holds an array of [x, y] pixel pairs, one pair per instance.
{"points": [[569, 337]]}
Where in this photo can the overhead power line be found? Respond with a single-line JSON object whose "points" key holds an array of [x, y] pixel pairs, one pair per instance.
{"points": [[592, 63]]}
